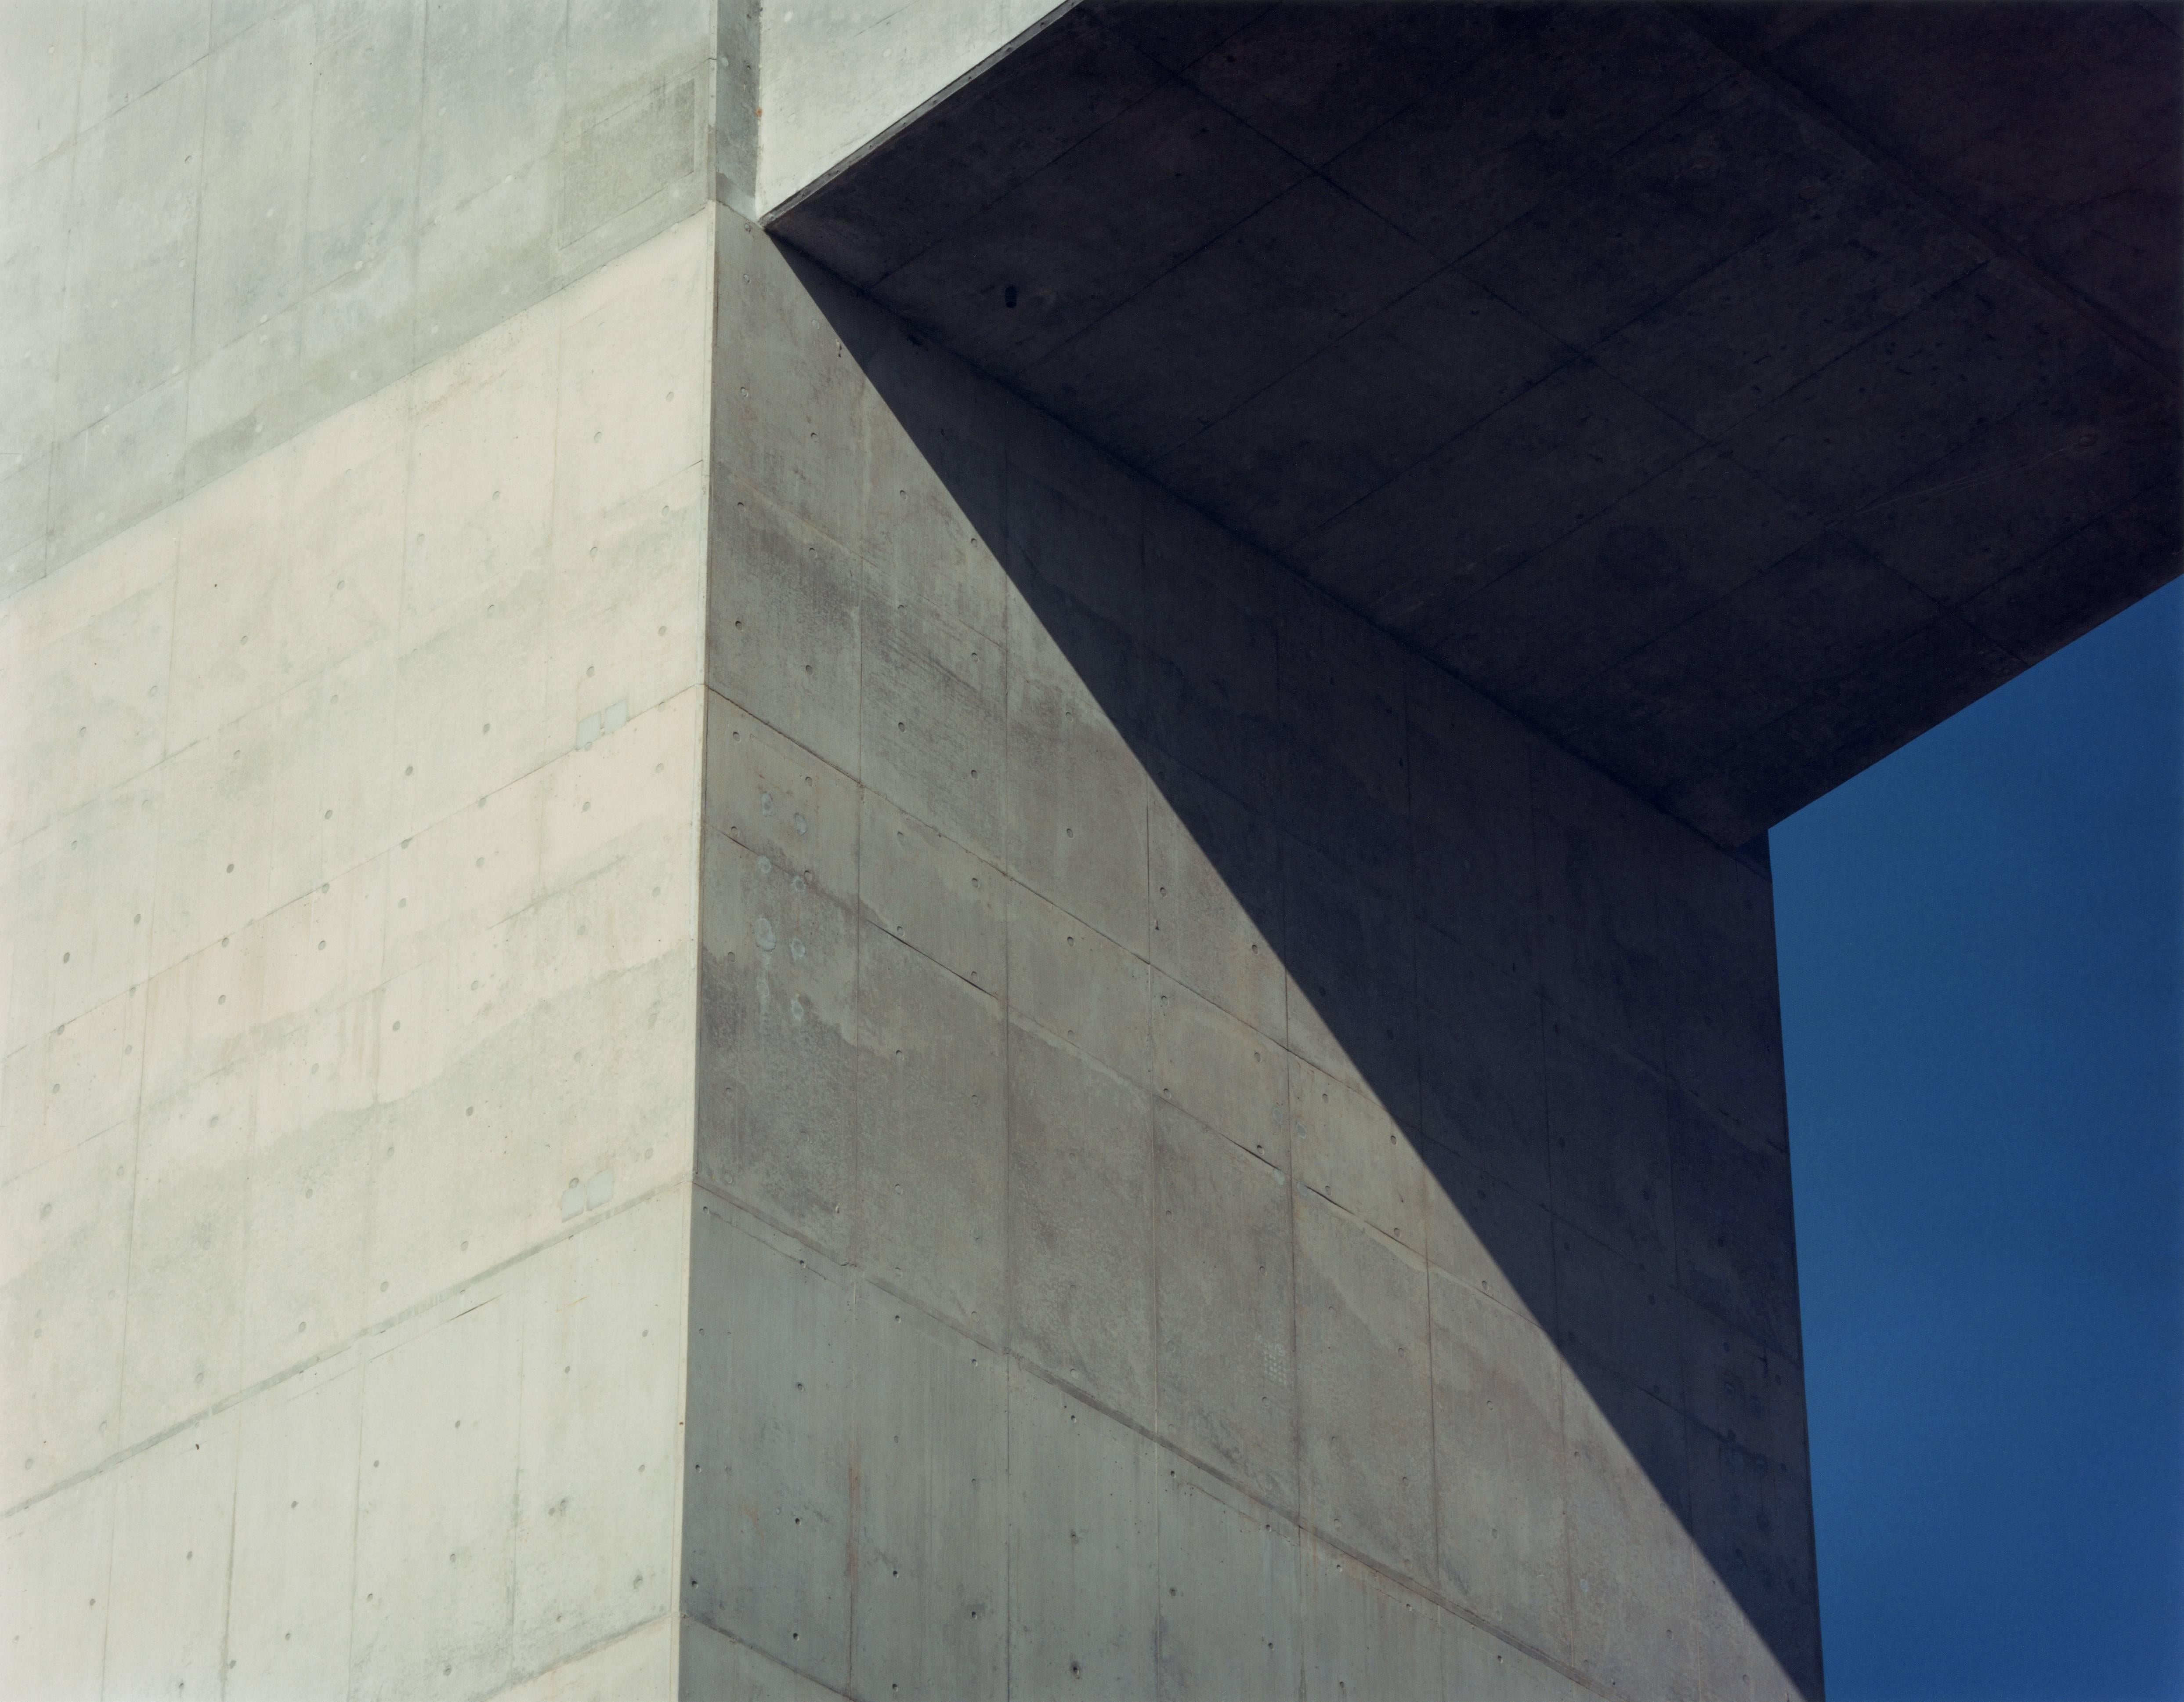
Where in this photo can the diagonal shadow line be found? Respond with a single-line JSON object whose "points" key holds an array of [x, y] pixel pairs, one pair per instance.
{"points": [[1581, 1192]]}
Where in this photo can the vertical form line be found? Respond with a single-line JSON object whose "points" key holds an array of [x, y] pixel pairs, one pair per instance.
{"points": [[1428, 1563], [1009, 599]]}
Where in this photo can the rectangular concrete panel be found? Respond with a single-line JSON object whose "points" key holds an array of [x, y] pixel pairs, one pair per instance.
{"points": [[1230, 1593], [767, 1504], [1084, 1558], [1227, 1379], [295, 1541], [933, 1451]]}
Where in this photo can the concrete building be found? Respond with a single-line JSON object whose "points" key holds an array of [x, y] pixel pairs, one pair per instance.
{"points": [[918, 850]]}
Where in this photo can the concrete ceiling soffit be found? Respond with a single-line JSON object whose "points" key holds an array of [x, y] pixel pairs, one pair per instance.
{"points": [[1732, 391]]}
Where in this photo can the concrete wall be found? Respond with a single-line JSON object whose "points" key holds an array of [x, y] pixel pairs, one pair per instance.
{"points": [[352, 413], [223, 220], [349, 897], [1227, 1167], [836, 76]]}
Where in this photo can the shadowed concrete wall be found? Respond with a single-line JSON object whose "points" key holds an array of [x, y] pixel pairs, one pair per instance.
{"points": [[1729, 395], [1226, 1163]]}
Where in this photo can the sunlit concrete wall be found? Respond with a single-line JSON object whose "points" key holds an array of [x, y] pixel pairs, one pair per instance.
{"points": [[835, 76], [349, 897], [221, 221], [1226, 1163], [355, 424]]}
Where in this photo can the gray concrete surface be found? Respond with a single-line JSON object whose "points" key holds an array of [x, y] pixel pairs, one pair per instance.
{"points": [[1229, 1166], [665, 936], [1730, 392], [223, 222], [839, 77], [350, 785]]}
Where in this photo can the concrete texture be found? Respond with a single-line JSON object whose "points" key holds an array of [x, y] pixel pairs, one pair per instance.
{"points": [[1227, 1165], [666, 935], [225, 221], [350, 897], [837, 76], [1712, 386]]}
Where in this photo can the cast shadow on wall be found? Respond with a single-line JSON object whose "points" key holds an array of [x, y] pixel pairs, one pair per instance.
{"points": [[1528, 1035]]}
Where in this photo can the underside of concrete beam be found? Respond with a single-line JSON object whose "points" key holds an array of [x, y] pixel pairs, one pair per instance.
{"points": [[1731, 393]]}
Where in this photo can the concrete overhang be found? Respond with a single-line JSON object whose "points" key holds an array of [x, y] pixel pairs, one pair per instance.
{"points": [[1732, 391]]}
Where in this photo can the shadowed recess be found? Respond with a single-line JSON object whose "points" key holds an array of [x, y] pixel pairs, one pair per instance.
{"points": [[1732, 392]]}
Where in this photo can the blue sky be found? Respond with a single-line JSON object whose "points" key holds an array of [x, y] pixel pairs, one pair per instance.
{"points": [[1982, 956]]}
